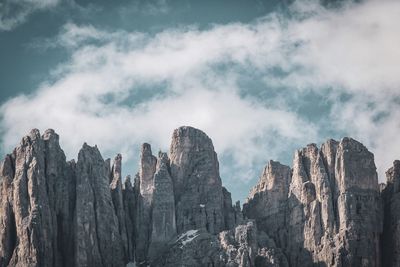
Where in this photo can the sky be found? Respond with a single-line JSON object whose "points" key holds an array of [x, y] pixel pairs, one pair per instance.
{"points": [[261, 78]]}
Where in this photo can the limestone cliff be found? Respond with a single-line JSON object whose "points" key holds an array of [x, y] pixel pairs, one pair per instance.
{"points": [[327, 210]]}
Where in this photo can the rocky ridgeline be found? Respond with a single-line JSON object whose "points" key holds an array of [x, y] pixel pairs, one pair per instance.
{"points": [[327, 210]]}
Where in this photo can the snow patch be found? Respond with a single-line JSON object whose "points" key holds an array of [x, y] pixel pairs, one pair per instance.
{"points": [[202, 205], [187, 237]]}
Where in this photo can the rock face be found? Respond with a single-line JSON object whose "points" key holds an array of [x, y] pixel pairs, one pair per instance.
{"points": [[246, 246], [97, 238], [144, 195], [391, 227], [192, 248], [36, 186], [243, 246], [327, 210], [331, 215], [267, 201], [58, 213], [198, 188], [163, 212], [179, 193]]}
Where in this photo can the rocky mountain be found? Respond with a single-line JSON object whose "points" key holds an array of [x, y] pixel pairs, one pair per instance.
{"points": [[327, 210]]}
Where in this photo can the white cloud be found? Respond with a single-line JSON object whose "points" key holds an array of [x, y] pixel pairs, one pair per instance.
{"points": [[184, 63], [194, 79], [16, 12], [233, 123], [355, 47]]}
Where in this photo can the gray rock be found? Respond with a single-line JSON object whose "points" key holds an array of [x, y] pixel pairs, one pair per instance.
{"points": [[163, 208], [332, 208], [391, 223], [360, 218], [27, 214], [129, 202], [242, 246], [37, 186], [267, 201], [193, 248], [144, 197], [117, 199], [326, 211], [97, 239], [246, 246], [232, 214], [199, 198]]}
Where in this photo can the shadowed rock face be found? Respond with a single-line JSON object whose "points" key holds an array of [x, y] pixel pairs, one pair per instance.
{"points": [[324, 211], [391, 225], [144, 197], [267, 201], [163, 212]]}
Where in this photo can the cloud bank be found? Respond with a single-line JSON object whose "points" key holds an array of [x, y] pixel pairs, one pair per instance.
{"points": [[120, 89]]}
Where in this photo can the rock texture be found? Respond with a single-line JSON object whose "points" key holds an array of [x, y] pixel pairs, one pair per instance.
{"points": [[163, 211], [192, 248], [59, 213], [243, 246], [36, 186], [246, 246], [198, 188], [267, 201], [391, 227], [331, 215], [327, 210], [144, 195], [97, 238], [179, 193]]}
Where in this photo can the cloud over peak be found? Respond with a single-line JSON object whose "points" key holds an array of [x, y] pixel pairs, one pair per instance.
{"points": [[119, 88]]}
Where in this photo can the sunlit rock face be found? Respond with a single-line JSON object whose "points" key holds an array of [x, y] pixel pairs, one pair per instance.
{"points": [[179, 192], [327, 210], [328, 213], [198, 187]]}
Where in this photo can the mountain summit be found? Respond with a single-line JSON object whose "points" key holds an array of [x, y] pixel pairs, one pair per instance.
{"points": [[327, 210]]}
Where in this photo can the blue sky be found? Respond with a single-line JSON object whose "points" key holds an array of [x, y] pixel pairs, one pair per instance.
{"points": [[261, 78]]}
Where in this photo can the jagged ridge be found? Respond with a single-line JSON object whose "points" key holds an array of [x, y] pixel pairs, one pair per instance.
{"points": [[325, 211]]}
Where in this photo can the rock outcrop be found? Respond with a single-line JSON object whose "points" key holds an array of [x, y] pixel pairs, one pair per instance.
{"points": [[59, 213], [97, 238], [391, 224], [180, 193], [144, 184], [198, 187], [163, 211], [327, 210], [243, 246], [246, 246], [36, 186], [267, 202], [331, 214]]}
